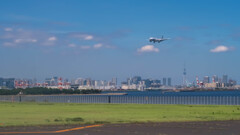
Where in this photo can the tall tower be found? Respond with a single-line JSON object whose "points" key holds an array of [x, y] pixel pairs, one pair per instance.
{"points": [[197, 80], [60, 84], [184, 76]]}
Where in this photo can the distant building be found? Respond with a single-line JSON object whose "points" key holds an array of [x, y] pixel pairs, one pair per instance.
{"points": [[54, 81], [96, 84], [114, 82], [155, 83], [225, 79], [169, 82], [48, 81], [213, 85], [237, 87], [1, 82], [136, 79], [232, 82], [88, 82], [214, 78], [129, 81], [79, 81], [220, 80], [206, 79], [164, 81], [147, 83], [124, 86], [74, 86], [129, 87], [7, 83]]}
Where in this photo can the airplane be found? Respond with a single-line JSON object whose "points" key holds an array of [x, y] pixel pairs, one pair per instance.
{"points": [[151, 39]]}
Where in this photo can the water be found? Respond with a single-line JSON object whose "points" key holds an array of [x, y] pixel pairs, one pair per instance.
{"points": [[138, 97], [195, 93]]}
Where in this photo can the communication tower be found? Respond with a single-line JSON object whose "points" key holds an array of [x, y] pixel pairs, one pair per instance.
{"points": [[184, 76]]}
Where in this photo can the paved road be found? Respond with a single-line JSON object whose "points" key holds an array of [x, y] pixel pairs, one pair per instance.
{"points": [[171, 128]]}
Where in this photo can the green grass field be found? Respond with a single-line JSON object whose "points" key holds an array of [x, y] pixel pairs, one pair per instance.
{"points": [[16, 114]]}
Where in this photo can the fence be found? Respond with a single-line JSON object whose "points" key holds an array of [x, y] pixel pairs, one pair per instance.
{"points": [[126, 99]]}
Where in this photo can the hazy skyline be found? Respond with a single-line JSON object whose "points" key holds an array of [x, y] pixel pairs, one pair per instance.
{"points": [[105, 39]]}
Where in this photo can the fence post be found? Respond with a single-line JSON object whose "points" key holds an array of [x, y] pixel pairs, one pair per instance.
{"points": [[20, 98], [109, 99]]}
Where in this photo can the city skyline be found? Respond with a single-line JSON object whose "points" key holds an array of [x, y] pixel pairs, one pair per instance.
{"points": [[131, 83], [81, 38]]}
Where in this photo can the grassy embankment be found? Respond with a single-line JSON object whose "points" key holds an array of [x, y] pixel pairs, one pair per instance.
{"points": [[16, 114]]}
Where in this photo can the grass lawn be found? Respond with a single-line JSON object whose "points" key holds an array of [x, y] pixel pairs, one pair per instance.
{"points": [[16, 114]]}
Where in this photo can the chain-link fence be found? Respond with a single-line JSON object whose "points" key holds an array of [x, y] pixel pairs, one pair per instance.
{"points": [[125, 99]]}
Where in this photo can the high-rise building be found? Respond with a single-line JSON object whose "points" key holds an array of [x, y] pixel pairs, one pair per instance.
{"points": [[164, 81], [103, 83], [7, 83], [147, 83], [96, 83], [92, 82], [169, 81], [215, 79], [225, 79], [84, 82], [48, 81], [114, 82], [232, 82], [136, 79], [156, 81], [1, 81], [55, 81], [219, 80], [206, 79], [88, 82], [129, 81]]}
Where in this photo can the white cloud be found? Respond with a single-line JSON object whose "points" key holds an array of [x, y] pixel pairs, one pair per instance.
{"points": [[34, 40], [72, 45], [221, 48], [148, 48], [18, 40], [25, 40], [8, 29], [83, 36], [8, 44], [16, 36], [52, 38], [88, 37], [96, 46], [23, 37], [85, 47]]}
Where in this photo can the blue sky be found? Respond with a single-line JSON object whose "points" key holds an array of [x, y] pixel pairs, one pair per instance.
{"points": [[108, 38]]}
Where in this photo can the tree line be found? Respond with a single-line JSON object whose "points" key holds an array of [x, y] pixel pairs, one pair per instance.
{"points": [[46, 91]]}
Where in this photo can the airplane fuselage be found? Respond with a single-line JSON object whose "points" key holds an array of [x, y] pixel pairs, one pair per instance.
{"points": [[156, 40]]}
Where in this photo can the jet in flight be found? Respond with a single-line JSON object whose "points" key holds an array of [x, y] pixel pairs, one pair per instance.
{"points": [[151, 39]]}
